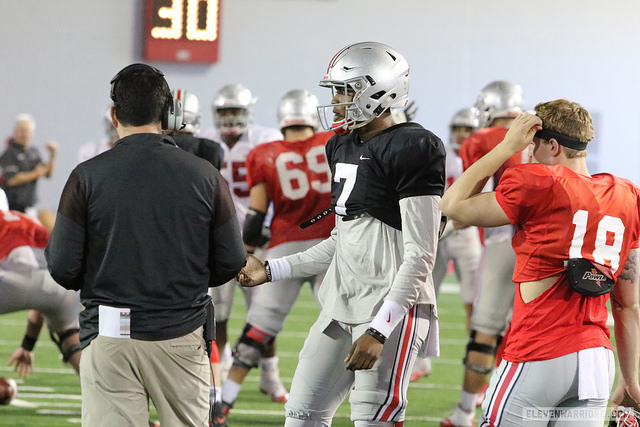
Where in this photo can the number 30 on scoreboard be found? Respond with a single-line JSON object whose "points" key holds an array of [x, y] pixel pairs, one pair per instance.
{"points": [[182, 30]]}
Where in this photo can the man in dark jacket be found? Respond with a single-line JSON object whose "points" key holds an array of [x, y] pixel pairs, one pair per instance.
{"points": [[142, 231]]}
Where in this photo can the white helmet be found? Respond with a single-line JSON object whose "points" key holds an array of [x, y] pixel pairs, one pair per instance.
{"points": [[467, 118], [377, 74], [4, 203], [109, 129], [499, 99], [234, 96], [298, 107], [190, 111]]}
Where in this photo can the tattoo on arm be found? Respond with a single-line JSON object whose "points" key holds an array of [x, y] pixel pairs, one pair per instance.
{"points": [[626, 280], [630, 270]]}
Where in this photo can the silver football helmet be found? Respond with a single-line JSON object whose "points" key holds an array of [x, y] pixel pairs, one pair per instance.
{"points": [[376, 73], [191, 114], [298, 107], [465, 118], [232, 107], [499, 99]]}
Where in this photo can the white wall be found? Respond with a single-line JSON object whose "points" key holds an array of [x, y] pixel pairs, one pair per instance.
{"points": [[57, 57]]}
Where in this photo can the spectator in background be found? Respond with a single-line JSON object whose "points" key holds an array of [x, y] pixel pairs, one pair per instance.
{"points": [[21, 166]]}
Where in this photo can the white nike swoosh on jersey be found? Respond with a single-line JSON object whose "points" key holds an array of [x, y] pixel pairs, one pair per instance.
{"points": [[364, 158]]}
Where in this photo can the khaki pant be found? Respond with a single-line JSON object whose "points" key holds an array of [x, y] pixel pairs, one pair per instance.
{"points": [[118, 376]]}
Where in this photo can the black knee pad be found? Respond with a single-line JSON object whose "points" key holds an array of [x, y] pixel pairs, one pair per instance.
{"points": [[59, 339], [472, 345], [250, 346]]}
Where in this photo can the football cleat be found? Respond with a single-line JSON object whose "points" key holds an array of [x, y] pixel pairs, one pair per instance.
{"points": [[421, 368], [219, 415], [459, 418], [271, 385]]}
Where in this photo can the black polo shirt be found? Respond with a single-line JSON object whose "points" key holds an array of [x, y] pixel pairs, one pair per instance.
{"points": [[18, 158], [149, 227]]}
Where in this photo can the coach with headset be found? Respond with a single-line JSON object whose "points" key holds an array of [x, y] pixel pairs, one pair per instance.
{"points": [[142, 231]]}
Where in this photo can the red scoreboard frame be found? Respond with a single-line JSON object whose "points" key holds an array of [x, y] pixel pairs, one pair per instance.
{"points": [[182, 30]]}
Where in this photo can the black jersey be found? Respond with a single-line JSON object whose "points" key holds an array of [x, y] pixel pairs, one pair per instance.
{"points": [[201, 147], [405, 160]]}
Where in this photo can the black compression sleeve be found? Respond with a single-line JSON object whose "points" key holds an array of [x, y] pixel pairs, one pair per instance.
{"points": [[252, 233]]}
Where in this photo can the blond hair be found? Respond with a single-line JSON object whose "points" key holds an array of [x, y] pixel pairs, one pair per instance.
{"points": [[25, 118], [568, 118]]}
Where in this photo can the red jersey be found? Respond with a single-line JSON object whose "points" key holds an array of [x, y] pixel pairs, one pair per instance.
{"points": [[17, 229], [298, 181], [559, 214], [480, 143]]}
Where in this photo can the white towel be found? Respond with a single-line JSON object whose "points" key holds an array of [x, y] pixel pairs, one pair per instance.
{"points": [[595, 367]]}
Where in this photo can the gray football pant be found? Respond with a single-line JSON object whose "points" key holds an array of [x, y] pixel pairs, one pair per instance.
{"points": [[272, 302], [37, 290], [464, 248], [495, 290], [321, 383], [544, 393]]}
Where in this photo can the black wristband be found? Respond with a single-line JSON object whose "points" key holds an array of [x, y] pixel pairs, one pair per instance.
{"points": [[377, 335], [267, 270], [28, 343]]}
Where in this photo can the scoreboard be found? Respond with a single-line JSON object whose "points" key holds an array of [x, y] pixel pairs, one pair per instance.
{"points": [[182, 30]]}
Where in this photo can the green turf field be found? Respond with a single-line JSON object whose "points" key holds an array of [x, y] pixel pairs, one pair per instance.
{"points": [[51, 396]]}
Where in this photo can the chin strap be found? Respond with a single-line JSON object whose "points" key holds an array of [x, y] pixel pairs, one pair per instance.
{"points": [[339, 128]]}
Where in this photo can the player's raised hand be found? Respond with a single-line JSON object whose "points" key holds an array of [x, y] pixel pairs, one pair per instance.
{"points": [[253, 273], [521, 132]]}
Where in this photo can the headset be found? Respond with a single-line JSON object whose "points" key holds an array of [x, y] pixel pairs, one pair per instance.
{"points": [[172, 113]]}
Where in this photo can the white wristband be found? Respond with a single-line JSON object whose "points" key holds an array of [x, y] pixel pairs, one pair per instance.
{"points": [[388, 317], [280, 269]]}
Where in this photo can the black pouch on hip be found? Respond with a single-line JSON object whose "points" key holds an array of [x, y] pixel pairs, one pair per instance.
{"points": [[209, 329], [588, 278]]}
